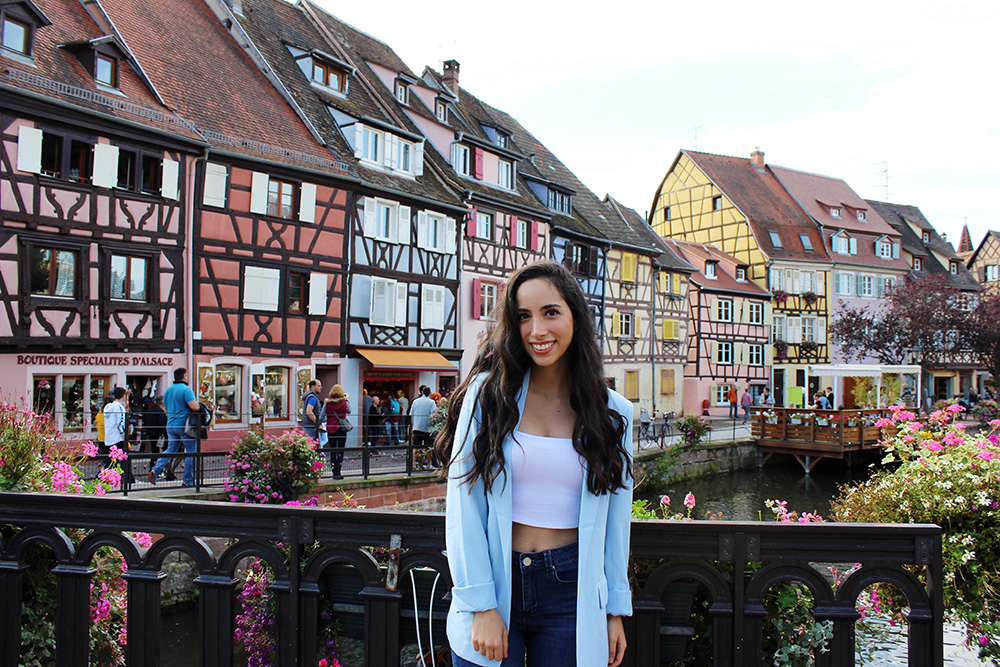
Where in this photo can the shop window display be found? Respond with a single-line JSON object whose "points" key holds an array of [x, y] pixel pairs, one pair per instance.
{"points": [[72, 402], [43, 394], [276, 392], [228, 381]]}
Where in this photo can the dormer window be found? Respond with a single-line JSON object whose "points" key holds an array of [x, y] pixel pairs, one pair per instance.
{"points": [[927, 237], [559, 201], [19, 22], [381, 148], [775, 239], [501, 139], [323, 70], [807, 243], [461, 159], [741, 274], [845, 245], [327, 75], [402, 93], [835, 211], [953, 268], [441, 110], [884, 249], [717, 203], [917, 264], [106, 70], [711, 269], [862, 217], [505, 175]]}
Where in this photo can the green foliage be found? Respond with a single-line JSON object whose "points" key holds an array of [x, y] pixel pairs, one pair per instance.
{"points": [[946, 477], [863, 392], [439, 416], [986, 411], [661, 474], [272, 469], [693, 428], [24, 437]]}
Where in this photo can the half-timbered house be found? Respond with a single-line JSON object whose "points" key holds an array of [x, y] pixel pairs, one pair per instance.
{"points": [[730, 321], [505, 227], [645, 347], [401, 313], [928, 254], [984, 263], [864, 249], [269, 213], [94, 197], [738, 205]]}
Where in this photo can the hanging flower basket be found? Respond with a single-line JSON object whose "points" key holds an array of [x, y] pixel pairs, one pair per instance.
{"points": [[780, 349], [810, 298], [780, 296]]}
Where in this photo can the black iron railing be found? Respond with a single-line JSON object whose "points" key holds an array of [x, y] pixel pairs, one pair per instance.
{"points": [[907, 556]]}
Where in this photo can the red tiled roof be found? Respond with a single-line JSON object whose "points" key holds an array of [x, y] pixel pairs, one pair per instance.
{"points": [[204, 74], [817, 194], [697, 254], [765, 203]]}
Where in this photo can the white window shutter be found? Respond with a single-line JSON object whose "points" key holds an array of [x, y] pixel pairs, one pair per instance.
{"points": [[768, 355], [402, 291], [422, 240], [819, 283], [390, 144], [29, 149], [853, 246], [258, 192], [418, 159], [740, 353], [637, 325], [715, 351], [403, 226], [450, 231], [820, 330], [431, 307], [379, 305], [170, 181], [369, 222], [895, 251], [307, 202], [260, 288], [105, 166], [214, 193], [768, 314], [317, 293], [359, 138], [796, 282], [794, 325]]}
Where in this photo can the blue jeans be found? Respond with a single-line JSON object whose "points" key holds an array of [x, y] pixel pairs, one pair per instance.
{"points": [[175, 439], [542, 610], [311, 431]]}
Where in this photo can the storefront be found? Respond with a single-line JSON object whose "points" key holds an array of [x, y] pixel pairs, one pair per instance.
{"points": [[72, 387], [390, 370]]}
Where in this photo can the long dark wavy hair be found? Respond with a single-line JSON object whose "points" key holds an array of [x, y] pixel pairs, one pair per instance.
{"points": [[598, 433]]}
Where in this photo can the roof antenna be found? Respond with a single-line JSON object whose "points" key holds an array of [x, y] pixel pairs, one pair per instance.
{"points": [[885, 171], [695, 129]]}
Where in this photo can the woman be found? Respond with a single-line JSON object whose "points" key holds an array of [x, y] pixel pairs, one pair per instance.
{"points": [[337, 408], [538, 459]]}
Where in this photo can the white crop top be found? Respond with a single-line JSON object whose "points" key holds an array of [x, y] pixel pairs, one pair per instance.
{"points": [[546, 481]]}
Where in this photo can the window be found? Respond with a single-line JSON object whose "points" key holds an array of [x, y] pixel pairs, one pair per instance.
{"points": [[632, 385], [716, 203], [275, 396], [711, 269], [755, 313], [388, 303], [917, 264], [500, 139], [809, 329], [625, 324], [582, 259], [228, 394], [861, 216], [559, 201], [487, 299], [866, 285], [775, 239], [296, 293], [129, 278], [52, 154], [630, 267], [720, 394], [402, 93], [484, 226], [441, 111], [666, 212], [926, 237], [460, 159], [724, 310], [106, 70], [724, 353], [953, 268], [522, 233], [16, 36], [432, 307], [327, 75], [844, 283], [81, 161], [77, 164], [777, 278], [741, 274], [835, 211], [126, 169], [505, 175], [842, 244], [755, 354], [885, 250], [778, 328], [371, 141], [667, 381], [280, 198], [807, 243], [405, 160], [383, 221], [992, 272], [152, 172], [53, 272]]}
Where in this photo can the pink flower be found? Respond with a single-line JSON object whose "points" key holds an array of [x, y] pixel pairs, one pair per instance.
{"points": [[983, 641], [995, 423], [954, 408], [317, 465], [110, 476], [90, 449], [689, 501], [118, 454]]}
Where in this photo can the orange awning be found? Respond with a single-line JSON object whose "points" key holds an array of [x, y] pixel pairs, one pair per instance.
{"points": [[407, 360]]}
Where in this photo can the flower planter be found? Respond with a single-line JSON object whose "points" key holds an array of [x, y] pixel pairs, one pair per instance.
{"points": [[794, 422]]}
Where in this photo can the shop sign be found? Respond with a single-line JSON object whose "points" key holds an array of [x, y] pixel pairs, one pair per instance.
{"points": [[90, 360]]}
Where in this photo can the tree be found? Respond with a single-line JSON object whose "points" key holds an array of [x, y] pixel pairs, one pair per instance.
{"points": [[981, 332], [922, 314]]}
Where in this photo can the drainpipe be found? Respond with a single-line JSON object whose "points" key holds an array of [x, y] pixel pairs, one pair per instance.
{"points": [[652, 337], [188, 258]]}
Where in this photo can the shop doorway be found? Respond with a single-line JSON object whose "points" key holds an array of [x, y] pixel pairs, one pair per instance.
{"points": [[778, 391], [942, 388], [144, 386]]}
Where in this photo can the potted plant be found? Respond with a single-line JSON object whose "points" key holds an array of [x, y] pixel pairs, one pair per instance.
{"points": [[797, 418], [808, 347], [810, 298], [780, 296], [780, 349], [770, 417], [822, 420]]}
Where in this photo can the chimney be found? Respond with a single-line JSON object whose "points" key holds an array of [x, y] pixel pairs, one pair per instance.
{"points": [[757, 157], [450, 78]]}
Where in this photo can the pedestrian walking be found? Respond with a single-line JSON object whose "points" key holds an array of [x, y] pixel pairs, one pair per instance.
{"points": [[746, 400], [312, 404], [179, 402], [733, 397]]}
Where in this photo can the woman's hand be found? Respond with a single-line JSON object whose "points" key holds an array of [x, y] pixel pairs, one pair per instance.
{"points": [[489, 634], [616, 641]]}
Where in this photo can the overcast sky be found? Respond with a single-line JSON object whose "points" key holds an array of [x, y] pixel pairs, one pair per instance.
{"points": [[847, 90]]}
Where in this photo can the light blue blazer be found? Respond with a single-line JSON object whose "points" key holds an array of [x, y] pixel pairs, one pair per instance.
{"points": [[478, 537]]}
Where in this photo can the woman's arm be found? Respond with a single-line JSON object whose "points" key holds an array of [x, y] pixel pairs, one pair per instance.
{"points": [[616, 545]]}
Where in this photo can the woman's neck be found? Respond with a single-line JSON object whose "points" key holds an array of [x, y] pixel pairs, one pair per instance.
{"points": [[550, 380]]}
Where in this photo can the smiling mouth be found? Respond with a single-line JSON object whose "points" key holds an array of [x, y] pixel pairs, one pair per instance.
{"points": [[542, 348]]}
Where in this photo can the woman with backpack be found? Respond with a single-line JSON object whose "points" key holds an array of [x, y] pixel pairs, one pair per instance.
{"points": [[337, 408]]}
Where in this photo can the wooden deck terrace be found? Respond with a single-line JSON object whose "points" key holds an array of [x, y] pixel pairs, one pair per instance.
{"points": [[813, 435]]}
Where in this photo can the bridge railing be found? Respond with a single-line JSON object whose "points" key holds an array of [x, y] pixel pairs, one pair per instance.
{"points": [[709, 553]]}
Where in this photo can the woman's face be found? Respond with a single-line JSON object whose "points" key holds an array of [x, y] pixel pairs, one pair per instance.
{"points": [[546, 321]]}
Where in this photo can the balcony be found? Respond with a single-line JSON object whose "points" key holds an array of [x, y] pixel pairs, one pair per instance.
{"points": [[706, 552]]}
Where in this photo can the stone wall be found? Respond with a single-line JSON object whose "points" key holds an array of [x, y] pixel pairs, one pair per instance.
{"points": [[705, 459]]}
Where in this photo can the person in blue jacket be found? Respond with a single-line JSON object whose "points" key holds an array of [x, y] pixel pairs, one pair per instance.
{"points": [[539, 468]]}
